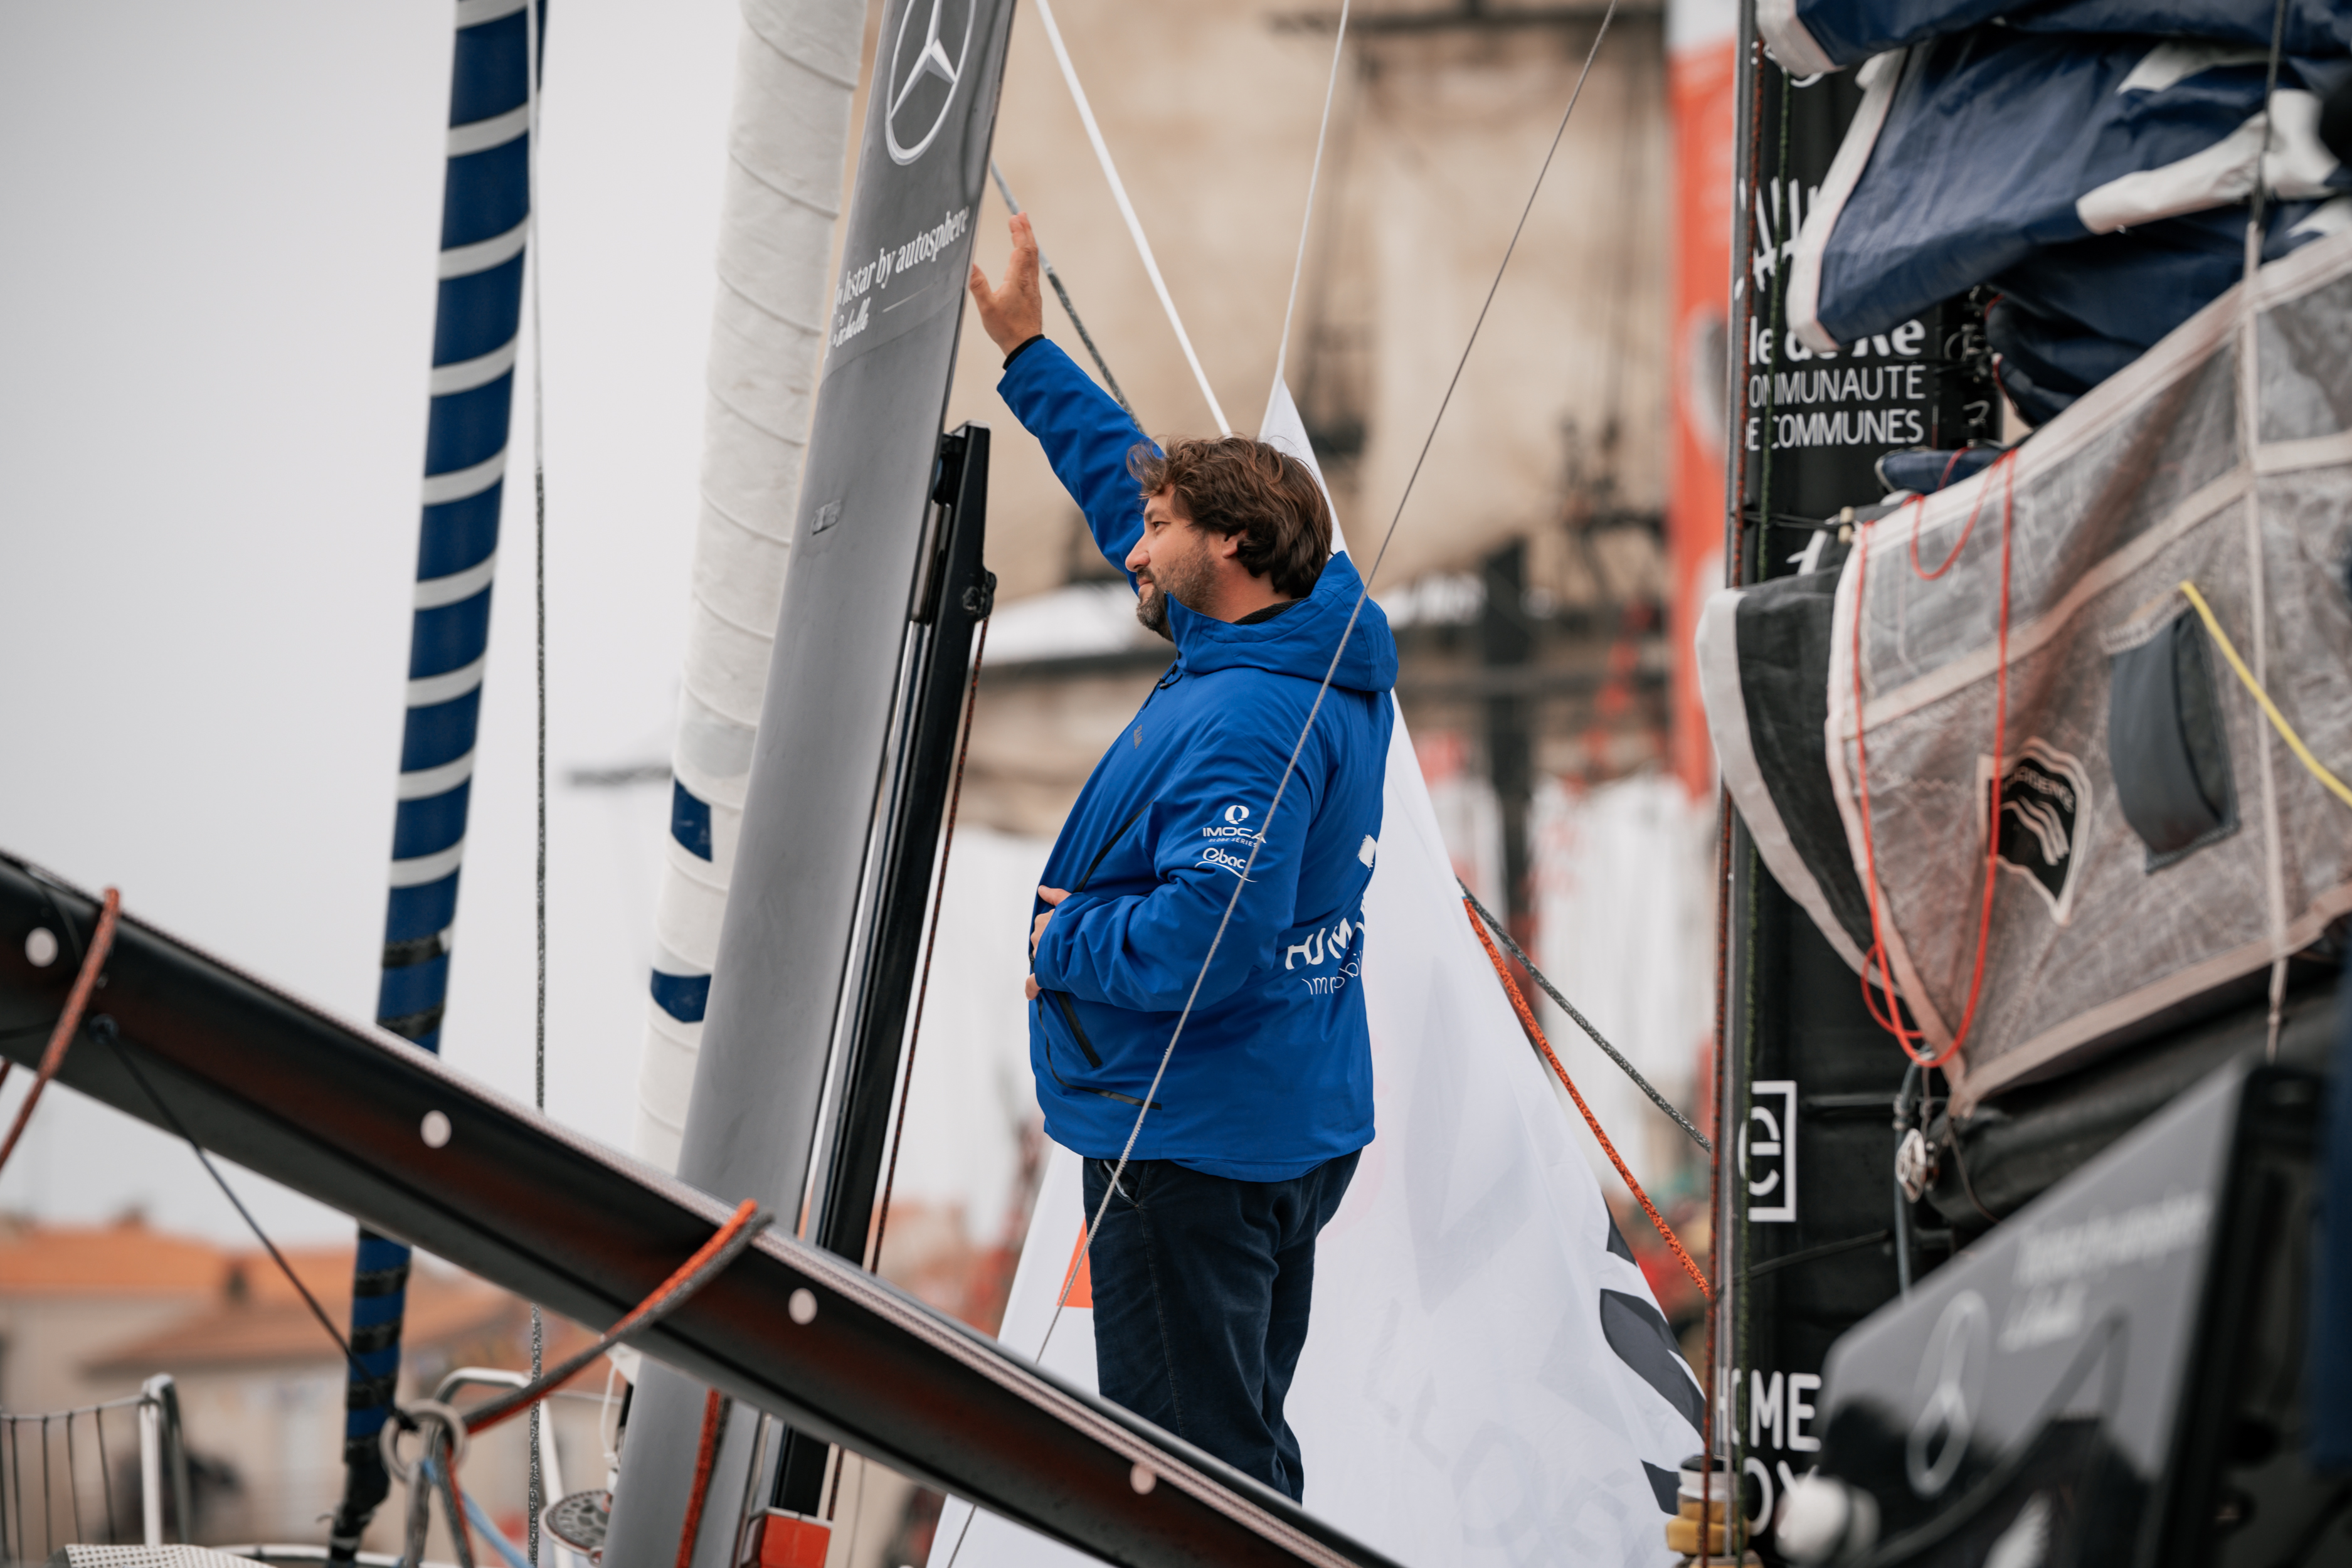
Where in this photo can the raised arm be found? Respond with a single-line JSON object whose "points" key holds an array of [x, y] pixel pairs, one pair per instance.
{"points": [[1086, 434]]}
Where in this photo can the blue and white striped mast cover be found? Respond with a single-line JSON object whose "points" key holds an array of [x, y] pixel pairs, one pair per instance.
{"points": [[486, 220]]}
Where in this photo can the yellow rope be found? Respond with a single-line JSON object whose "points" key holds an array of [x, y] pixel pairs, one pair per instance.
{"points": [[2278, 721]]}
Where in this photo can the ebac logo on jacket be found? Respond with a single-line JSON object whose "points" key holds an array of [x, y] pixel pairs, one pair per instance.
{"points": [[2045, 804]]}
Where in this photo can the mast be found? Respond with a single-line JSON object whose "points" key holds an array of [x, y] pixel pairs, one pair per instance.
{"points": [[796, 943], [486, 220], [1807, 1080]]}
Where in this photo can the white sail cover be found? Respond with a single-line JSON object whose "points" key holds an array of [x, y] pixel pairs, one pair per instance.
{"points": [[1487, 1379], [787, 141], [2157, 838]]}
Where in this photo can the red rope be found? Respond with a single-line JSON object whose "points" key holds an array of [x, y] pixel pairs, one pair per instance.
{"points": [[1543, 1046], [706, 1456], [690, 1276], [100, 943], [1888, 1012]]}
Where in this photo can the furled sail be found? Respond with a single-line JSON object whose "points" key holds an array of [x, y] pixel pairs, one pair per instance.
{"points": [[787, 141], [813, 849]]}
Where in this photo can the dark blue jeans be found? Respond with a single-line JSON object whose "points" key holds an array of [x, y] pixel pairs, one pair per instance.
{"points": [[1201, 1289]]}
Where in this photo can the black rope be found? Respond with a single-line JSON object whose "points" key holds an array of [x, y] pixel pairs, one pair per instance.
{"points": [[104, 1028], [1110, 380], [1582, 1022]]}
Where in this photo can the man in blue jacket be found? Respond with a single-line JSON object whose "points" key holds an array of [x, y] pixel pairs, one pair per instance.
{"points": [[1203, 1268]]}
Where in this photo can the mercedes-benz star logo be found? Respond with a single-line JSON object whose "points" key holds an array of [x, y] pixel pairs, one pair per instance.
{"points": [[931, 60]]}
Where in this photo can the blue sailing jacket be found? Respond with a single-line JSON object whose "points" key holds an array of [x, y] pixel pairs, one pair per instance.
{"points": [[1274, 1072]]}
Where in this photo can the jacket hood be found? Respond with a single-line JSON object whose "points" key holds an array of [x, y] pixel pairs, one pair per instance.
{"points": [[1298, 641]]}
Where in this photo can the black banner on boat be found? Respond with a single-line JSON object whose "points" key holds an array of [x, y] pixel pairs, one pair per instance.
{"points": [[792, 947]]}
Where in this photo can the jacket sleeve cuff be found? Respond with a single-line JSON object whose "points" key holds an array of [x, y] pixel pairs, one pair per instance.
{"points": [[1022, 347]]}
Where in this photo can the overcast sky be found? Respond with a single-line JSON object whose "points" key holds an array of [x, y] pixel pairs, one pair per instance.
{"points": [[216, 308]]}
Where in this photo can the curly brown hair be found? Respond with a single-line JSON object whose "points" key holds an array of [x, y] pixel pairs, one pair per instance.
{"points": [[1237, 486]]}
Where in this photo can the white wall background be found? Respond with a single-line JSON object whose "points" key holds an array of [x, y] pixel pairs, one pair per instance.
{"points": [[215, 310]]}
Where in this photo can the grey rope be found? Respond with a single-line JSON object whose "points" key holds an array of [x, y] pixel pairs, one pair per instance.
{"points": [[1581, 1022], [1314, 175], [535, 1496], [1046, 265], [1322, 690]]}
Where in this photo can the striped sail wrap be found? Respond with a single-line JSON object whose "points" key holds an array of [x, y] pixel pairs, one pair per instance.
{"points": [[788, 136], [485, 226]]}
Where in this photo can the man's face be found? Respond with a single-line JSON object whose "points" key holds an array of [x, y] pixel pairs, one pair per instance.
{"points": [[1171, 558]]}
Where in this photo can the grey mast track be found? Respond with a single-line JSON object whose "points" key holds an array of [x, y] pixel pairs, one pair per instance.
{"points": [[335, 1110]]}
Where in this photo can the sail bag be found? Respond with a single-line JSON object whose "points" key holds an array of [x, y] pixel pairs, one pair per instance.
{"points": [[2158, 839]]}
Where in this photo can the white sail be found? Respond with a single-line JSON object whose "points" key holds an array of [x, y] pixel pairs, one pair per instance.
{"points": [[787, 143]]}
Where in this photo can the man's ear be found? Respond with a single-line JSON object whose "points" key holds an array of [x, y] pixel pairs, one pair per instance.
{"points": [[1229, 545]]}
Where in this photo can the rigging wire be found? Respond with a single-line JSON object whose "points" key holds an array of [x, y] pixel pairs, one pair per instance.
{"points": [[1322, 690], [1046, 265], [1659, 1101], [535, 1496], [1305, 225], [103, 1028], [1126, 210], [1543, 1047]]}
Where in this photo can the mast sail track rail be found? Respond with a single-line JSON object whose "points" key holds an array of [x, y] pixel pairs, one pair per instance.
{"points": [[347, 1114]]}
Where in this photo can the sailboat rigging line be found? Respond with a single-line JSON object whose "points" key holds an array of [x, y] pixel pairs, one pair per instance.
{"points": [[103, 1028], [1046, 265], [2311, 764], [1355, 611], [69, 1021], [1306, 219], [1543, 1047], [930, 946], [1890, 1017], [705, 1456], [1126, 209], [535, 1486], [708, 1261], [1581, 1022]]}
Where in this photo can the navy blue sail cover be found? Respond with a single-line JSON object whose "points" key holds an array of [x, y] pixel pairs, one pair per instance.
{"points": [[2098, 183], [1809, 35]]}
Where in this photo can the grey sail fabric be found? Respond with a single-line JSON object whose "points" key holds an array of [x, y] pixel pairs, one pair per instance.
{"points": [[2222, 459]]}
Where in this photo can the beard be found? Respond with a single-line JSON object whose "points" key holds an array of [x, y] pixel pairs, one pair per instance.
{"points": [[1187, 583], [1151, 609]]}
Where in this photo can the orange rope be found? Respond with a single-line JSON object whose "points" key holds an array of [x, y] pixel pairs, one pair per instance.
{"points": [[68, 1021], [1543, 1047], [1890, 1017], [705, 1456], [746, 1221]]}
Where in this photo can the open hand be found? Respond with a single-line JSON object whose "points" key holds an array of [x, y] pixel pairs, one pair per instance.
{"points": [[1052, 896], [1016, 312]]}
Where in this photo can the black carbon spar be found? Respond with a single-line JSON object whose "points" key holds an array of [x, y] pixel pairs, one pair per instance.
{"points": [[336, 1110]]}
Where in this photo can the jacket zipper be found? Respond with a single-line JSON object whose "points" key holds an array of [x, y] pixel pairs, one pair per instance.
{"points": [[1062, 998]]}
